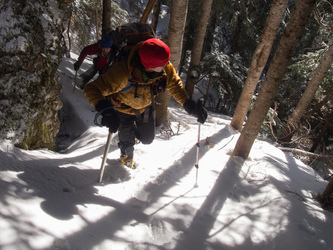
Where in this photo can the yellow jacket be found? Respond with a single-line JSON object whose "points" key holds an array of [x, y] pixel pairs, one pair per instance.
{"points": [[117, 77]]}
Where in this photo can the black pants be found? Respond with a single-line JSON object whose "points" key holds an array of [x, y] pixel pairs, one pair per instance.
{"points": [[132, 127]]}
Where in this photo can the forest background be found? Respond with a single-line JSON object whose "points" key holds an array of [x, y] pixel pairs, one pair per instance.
{"points": [[298, 97], [233, 32]]}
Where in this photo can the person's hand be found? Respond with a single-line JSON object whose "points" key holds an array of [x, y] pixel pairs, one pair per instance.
{"points": [[196, 109], [77, 65], [110, 119], [109, 115]]}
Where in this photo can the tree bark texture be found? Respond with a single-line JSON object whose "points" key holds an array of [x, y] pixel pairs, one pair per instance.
{"points": [[239, 24], [318, 106], [295, 118], [175, 42], [155, 15], [198, 44], [328, 190], [97, 26], [106, 22], [258, 63], [68, 54], [207, 92], [147, 11], [276, 71], [329, 119]]}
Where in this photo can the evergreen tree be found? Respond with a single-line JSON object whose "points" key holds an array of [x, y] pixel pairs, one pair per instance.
{"points": [[198, 44], [277, 69], [259, 60], [295, 118], [175, 42]]}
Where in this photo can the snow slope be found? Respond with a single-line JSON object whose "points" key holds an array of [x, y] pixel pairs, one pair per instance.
{"points": [[52, 200]]}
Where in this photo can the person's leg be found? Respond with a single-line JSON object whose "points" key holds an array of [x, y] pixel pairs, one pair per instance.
{"points": [[145, 131], [126, 133]]}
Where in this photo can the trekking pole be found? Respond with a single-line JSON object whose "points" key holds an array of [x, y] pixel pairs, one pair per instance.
{"points": [[75, 80], [105, 156], [197, 161], [198, 146]]}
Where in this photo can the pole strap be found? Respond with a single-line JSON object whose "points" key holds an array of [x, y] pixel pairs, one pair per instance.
{"points": [[98, 117]]}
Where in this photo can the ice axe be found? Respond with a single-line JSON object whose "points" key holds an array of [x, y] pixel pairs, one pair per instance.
{"points": [[97, 122], [105, 156], [199, 106], [75, 80]]}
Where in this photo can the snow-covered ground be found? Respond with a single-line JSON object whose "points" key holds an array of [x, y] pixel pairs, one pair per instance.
{"points": [[53, 200]]}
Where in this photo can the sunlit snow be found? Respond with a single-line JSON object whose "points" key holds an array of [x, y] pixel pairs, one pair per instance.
{"points": [[53, 200]]}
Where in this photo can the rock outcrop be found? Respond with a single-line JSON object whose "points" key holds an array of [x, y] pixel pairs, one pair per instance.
{"points": [[31, 49]]}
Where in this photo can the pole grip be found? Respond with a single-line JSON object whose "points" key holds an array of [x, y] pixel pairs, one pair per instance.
{"points": [[199, 108], [200, 102]]}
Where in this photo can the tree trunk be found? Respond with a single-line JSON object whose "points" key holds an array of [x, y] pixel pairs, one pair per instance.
{"points": [[306, 153], [328, 190], [97, 27], [207, 92], [106, 22], [68, 54], [258, 63], [276, 71], [295, 118], [322, 132], [318, 106], [198, 44], [240, 18], [155, 15], [182, 56], [176, 30], [218, 105], [147, 11], [175, 42]]}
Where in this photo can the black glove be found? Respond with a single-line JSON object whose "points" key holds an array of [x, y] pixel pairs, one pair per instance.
{"points": [[77, 65], [109, 115], [160, 86], [196, 109]]}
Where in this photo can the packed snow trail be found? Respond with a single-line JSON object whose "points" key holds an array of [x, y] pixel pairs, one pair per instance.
{"points": [[52, 200]]}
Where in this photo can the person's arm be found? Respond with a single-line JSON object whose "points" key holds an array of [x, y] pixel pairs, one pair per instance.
{"points": [[177, 90], [109, 83], [175, 85], [88, 50]]}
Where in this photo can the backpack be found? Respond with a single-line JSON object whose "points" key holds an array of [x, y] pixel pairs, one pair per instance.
{"points": [[125, 37]]}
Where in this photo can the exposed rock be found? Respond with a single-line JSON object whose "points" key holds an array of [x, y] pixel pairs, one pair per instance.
{"points": [[31, 49]]}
